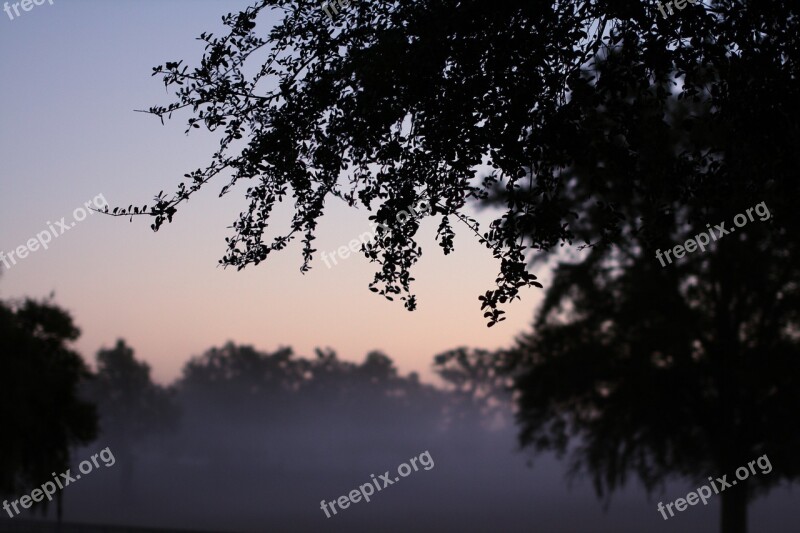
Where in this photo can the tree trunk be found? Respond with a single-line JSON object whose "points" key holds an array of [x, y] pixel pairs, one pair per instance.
{"points": [[734, 509], [59, 511]]}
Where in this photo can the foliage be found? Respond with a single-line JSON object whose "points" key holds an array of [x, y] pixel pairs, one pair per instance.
{"points": [[42, 414], [690, 368], [130, 404], [479, 383], [248, 379], [396, 101], [388, 103]]}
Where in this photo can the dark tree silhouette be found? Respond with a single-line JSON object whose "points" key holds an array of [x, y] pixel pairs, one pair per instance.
{"points": [[43, 416], [240, 378], [397, 102], [689, 368], [130, 405], [479, 385], [279, 389], [252, 381], [284, 404]]}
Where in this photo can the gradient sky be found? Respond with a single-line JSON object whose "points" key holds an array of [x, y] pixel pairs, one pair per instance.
{"points": [[72, 75]]}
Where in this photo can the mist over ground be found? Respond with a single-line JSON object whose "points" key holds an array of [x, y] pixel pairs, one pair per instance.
{"points": [[251, 441]]}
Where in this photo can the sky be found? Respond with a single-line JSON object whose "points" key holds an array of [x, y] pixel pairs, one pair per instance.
{"points": [[73, 74]]}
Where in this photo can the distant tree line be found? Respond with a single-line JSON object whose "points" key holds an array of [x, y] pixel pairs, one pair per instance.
{"points": [[52, 403]]}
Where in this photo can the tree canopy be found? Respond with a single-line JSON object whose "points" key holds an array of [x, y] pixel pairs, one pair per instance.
{"points": [[42, 413], [244, 380], [131, 406], [392, 102], [688, 367], [688, 370]]}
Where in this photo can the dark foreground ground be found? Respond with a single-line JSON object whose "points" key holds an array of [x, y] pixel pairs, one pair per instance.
{"points": [[40, 526]]}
